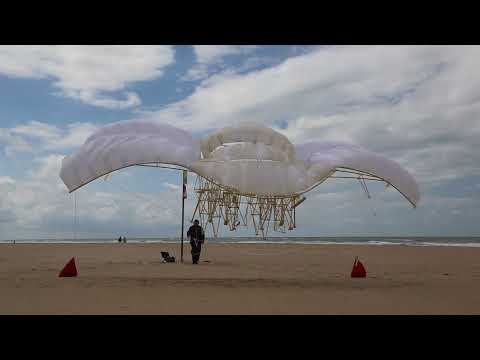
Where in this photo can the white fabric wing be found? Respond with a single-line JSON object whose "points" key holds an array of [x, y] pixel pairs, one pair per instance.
{"points": [[252, 160], [128, 143], [253, 177], [322, 157]]}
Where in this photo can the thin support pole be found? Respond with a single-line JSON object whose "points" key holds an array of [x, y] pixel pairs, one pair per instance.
{"points": [[294, 222], [183, 219], [74, 216], [184, 193]]}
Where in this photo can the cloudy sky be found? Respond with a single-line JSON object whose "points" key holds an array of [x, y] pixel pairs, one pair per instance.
{"points": [[418, 105]]}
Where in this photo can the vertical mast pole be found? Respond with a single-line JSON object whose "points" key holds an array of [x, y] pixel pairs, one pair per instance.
{"points": [[75, 216], [184, 195]]}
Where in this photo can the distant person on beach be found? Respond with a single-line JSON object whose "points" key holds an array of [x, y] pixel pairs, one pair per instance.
{"points": [[124, 240], [197, 237], [120, 239]]}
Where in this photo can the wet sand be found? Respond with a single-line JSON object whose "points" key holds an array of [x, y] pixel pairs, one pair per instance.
{"points": [[239, 279]]}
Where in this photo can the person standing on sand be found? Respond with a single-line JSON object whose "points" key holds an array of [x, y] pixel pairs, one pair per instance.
{"points": [[197, 237]]}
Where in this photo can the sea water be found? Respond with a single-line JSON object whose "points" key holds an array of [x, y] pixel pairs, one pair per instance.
{"points": [[360, 240]]}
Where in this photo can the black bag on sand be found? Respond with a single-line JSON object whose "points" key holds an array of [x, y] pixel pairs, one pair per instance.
{"points": [[167, 258]]}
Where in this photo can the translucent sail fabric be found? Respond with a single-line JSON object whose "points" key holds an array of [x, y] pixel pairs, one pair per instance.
{"points": [[260, 161], [261, 137], [128, 143], [252, 177], [319, 157], [251, 160]]}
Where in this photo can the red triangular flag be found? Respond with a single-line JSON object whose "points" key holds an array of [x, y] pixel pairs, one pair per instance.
{"points": [[69, 270], [354, 267], [358, 269], [361, 269]]}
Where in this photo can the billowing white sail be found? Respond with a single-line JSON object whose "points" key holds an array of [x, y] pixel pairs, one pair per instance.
{"points": [[128, 143], [250, 160], [320, 157]]}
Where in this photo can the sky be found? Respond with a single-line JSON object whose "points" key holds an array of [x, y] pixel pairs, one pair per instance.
{"points": [[417, 105]]}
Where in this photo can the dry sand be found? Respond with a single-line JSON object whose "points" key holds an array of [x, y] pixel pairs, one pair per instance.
{"points": [[240, 279]]}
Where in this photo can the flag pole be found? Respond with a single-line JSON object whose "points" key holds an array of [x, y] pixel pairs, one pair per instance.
{"points": [[183, 207], [184, 193]]}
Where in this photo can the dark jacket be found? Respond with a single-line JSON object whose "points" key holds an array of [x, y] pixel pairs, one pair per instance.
{"points": [[196, 233]]}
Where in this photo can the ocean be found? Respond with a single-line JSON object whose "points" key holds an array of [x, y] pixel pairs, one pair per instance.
{"points": [[473, 241]]}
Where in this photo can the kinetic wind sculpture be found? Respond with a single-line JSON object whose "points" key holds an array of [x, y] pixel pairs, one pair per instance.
{"points": [[243, 173]]}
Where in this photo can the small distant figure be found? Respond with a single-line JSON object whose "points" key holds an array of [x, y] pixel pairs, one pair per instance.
{"points": [[119, 239], [124, 240], [197, 237]]}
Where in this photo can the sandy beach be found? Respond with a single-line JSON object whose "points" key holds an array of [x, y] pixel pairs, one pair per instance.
{"points": [[239, 279]]}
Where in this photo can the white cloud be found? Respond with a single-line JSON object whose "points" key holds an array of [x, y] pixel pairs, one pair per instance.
{"points": [[171, 186], [94, 98], [75, 135], [50, 137], [210, 59], [49, 168], [209, 54], [37, 129], [197, 72], [38, 205], [88, 73], [411, 103], [417, 105], [6, 180], [317, 83], [13, 143]]}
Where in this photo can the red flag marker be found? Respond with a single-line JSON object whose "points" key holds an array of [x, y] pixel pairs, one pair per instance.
{"points": [[358, 270], [69, 270]]}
